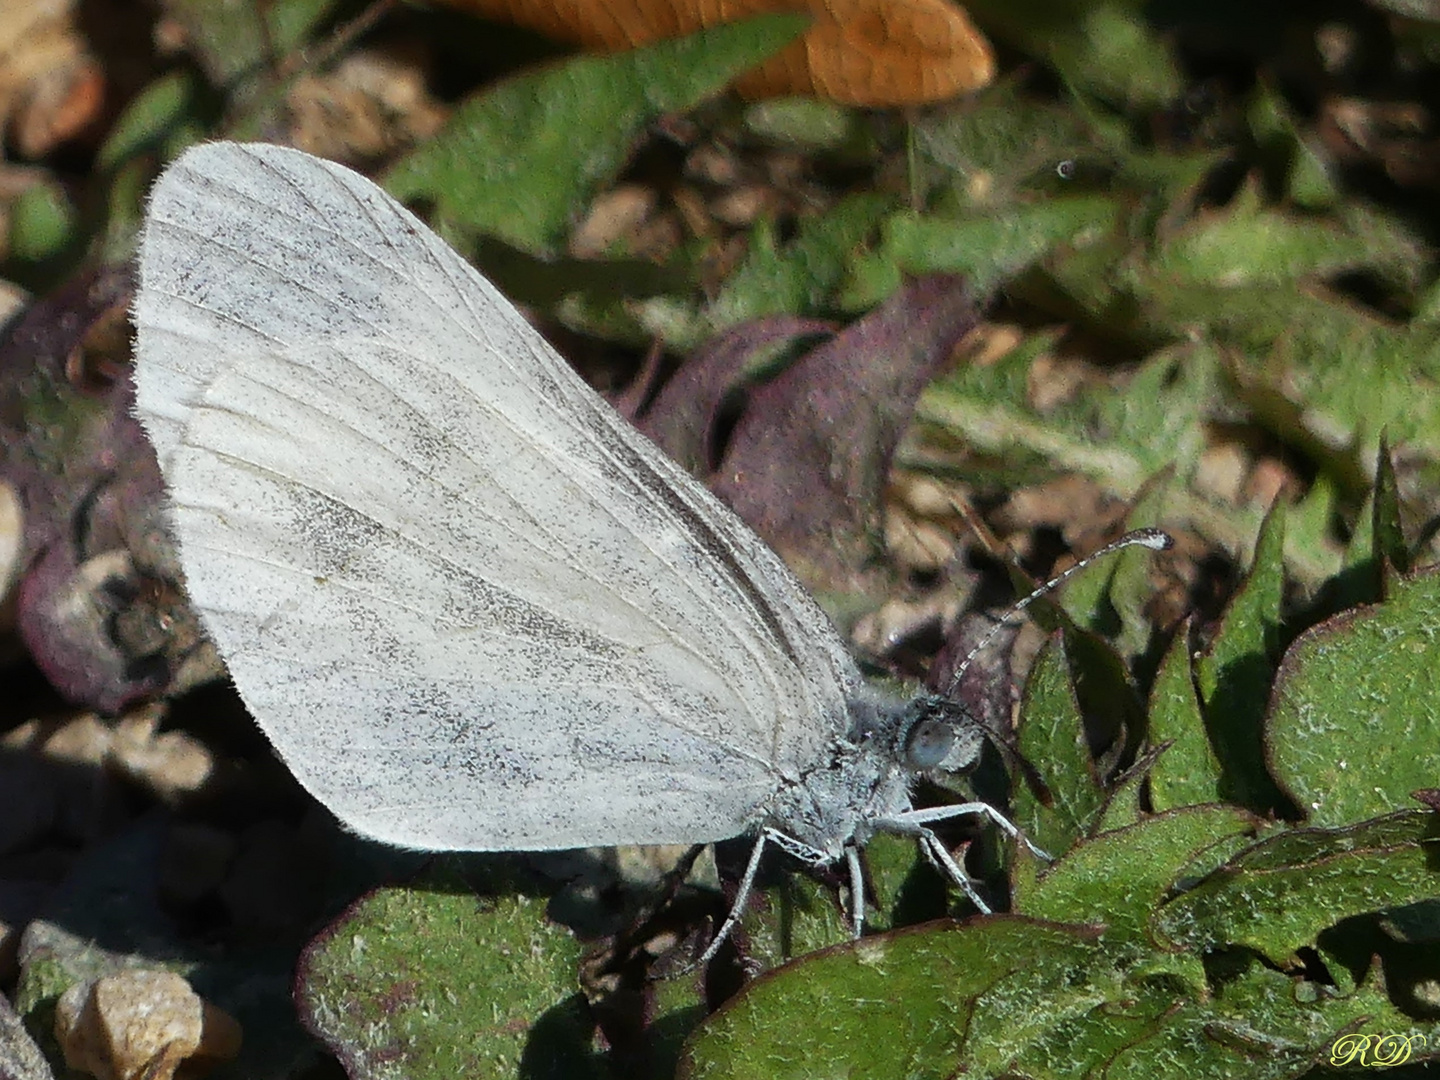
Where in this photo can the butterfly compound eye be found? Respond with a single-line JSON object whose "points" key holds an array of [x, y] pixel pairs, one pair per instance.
{"points": [[929, 744]]}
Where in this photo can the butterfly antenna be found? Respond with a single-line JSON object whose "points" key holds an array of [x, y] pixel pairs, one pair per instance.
{"points": [[1154, 539]]}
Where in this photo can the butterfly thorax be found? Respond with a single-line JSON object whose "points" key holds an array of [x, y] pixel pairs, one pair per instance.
{"points": [[863, 779]]}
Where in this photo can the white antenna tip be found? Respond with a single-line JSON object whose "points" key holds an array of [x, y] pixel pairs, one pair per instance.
{"points": [[1154, 539]]}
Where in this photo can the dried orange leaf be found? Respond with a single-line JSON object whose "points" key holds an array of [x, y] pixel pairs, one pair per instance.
{"points": [[859, 52], [52, 89]]}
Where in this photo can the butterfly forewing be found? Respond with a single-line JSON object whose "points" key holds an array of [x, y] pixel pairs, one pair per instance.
{"points": [[470, 606]]}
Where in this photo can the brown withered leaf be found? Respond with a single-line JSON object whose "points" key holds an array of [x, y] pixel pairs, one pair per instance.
{"points": [[858, 52], [52, 89]]}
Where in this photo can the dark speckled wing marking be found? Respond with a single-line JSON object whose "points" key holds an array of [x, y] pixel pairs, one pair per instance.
{"points": [[469, 605]]}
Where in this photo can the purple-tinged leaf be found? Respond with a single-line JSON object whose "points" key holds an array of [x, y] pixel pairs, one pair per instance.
{"points": [[806, 461], [97, 602]]}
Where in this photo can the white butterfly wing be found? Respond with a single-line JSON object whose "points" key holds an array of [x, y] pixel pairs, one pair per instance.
{"points": [[470, 606]]}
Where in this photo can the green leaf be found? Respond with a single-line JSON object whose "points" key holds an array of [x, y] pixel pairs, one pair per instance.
{"points": [[1358, 581], [907, 888], [793, 916], [160, 118], [1187, 772], [520, 162], [805, 124], [1132, 586], [1255, 1027], [1124, 800], [1106, 50], [1119, 439], [1119, 878], [990, 153], [1310, 524], [43, 224], [1355, 725], [1278, 895], [1279, 138], [1052, 737], [237, 44], [1391, 551], [924, 1003], [989, 248], [442, 983], [1248, 245], [1090, 1044], [1332, 376], [801, 277], [1113, 593], [797, 915], [1159, 416], [1234, 675], [676, 1009], [1323, 373]]}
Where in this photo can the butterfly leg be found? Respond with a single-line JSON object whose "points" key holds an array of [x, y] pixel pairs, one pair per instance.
{"points": [[742, 896], [857, 890], [802, 851], [901, 822], [916, 823], [815, 857]]}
